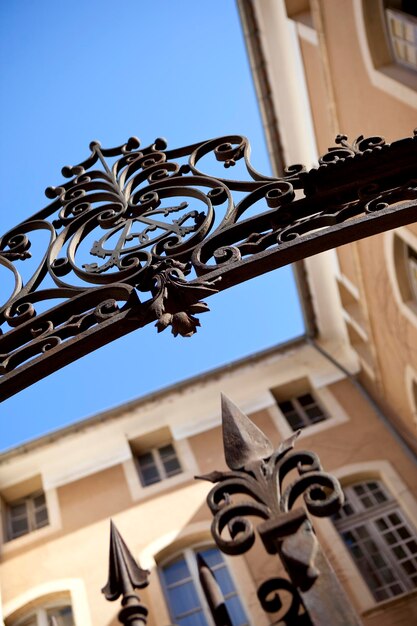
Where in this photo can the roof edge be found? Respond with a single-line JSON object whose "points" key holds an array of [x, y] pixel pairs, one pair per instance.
{"points": [[130, 405]]}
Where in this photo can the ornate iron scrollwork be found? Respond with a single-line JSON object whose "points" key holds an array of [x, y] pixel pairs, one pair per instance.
{"points": [[259, 471], [257, 486], [131, 221]]}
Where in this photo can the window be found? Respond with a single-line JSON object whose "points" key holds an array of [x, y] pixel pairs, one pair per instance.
{"points": [[411, 263], [302, 411], [402, 30], [158, 464], [185, 596], [26, 514], [380, 540], [405, 268], [44, 617]]}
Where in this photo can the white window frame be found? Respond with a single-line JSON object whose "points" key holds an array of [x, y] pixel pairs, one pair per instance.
{"points": [[366, 517], [40, 614], [189, 554]]}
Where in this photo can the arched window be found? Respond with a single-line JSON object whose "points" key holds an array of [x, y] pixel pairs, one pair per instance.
{"points": [[381, 541], [405, 259], [42, 616], [184, 594]]}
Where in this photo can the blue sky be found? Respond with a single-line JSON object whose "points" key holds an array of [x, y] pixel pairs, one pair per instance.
{"points": [[73, 72]]}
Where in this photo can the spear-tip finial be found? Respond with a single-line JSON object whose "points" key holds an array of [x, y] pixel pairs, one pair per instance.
{"points": [[125, 574], [243, 441]]}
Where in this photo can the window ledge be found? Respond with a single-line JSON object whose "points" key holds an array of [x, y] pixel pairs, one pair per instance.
{"points": [[391, 603], [30, 537]]}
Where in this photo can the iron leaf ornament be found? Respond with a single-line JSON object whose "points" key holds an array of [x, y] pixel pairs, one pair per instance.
{"points": [[138, 235]]}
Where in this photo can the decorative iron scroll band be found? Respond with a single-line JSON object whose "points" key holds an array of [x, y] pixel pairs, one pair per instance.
{"points": [[137, 235]]}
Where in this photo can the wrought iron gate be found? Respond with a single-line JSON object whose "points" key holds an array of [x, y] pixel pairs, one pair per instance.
{"points": [[164, 236]]}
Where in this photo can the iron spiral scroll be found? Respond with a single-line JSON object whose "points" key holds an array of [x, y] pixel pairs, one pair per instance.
{"points": [[139, 235]]}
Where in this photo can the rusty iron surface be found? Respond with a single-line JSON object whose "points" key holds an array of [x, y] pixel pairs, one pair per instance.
{"points": [[140, 235]]}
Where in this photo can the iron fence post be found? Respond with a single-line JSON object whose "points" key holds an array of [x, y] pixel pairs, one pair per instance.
{"points": [[259, 471]]}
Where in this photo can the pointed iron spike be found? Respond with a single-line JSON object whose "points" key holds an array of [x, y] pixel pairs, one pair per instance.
{"points": [[125, 574], [288, 443], [243, 441], [213, 594]]}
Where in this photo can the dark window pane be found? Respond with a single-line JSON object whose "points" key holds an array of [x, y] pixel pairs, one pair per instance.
{"points": [[357, 552], [381, 595], [399, 552], [39, 501], [172, 467], [394, 519], [409, 567], [146, 459], [41, 517], [18, 510], [306, 399], [381, 524], [370, 546], [387, 575], [294, 420], [378, 561], [349, 538], [390, 538], [315, 414], [404, 532], [367, 502], [149, 475], [348, 509], [166, 451], [286, 407], [412, 546], [19, 527]]}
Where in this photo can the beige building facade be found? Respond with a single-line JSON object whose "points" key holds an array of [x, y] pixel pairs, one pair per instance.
{"points": [[349, 67], [320, 68], [64, 562]]}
